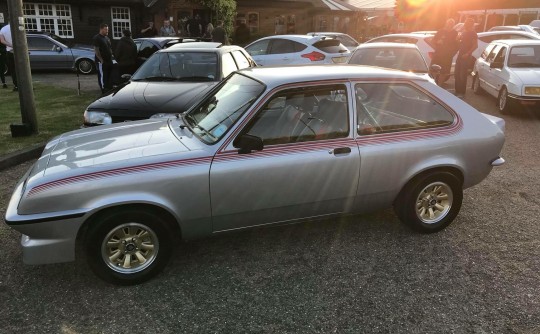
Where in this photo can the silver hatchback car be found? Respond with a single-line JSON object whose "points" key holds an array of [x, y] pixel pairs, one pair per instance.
{"points": [[265, 146]]}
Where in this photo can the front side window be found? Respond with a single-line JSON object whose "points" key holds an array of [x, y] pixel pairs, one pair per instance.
{"points": [[487, 50], [228, 64], [40, 44], [493, 53], [258, 48], [501, 55], [392, 107], [211, 119], [300, 115]]}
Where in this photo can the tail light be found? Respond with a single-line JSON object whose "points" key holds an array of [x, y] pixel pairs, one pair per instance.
{"points": [[430, 54], [314, 56]]}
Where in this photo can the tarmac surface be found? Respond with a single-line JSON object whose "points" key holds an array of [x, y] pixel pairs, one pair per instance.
{"points": [[361, 274]]}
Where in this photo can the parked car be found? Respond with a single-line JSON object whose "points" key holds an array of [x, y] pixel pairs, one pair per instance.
{"points": [[510, 71], [297, 49], [147, 46], [267, 146], [47, 51], [169, 82], [484, 38], [349, 42], [421, 40], [520, 27], [398, 56]]}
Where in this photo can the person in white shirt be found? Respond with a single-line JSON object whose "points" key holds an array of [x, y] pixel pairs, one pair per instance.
{"points": [[5, 38]]}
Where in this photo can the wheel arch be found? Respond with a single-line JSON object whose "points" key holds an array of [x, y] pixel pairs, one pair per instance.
{"points": [[172, 223], [440, 169]]}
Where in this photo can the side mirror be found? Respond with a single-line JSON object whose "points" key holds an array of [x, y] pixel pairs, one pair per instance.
{"points": [[248, 143], [435, 69], [497, 64], [58, 49], [125, 77]]}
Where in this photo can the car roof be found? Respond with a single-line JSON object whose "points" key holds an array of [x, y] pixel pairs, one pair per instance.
{"points": [[202, 46], [277, 76], [517, 32], [414, 35], [520, 42], [376, 45], [298, 38]]}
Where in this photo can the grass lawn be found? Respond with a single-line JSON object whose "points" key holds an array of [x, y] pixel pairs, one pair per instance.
{"points": [[58, 110]]}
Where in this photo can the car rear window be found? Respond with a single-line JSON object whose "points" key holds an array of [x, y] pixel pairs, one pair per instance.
{"points": [[330, 46]]}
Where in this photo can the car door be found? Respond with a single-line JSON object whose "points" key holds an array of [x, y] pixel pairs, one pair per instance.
{"points": [[499, 74], [45, 54], [309, 165], [259, 51], [488, 78], [482, 65]]}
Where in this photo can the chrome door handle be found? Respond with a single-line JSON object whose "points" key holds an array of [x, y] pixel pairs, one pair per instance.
{"points": [[340, 150]]}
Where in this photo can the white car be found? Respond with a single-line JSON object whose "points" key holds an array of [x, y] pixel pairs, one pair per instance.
{"points": [[398, 56], [422, 40], [521, 27], [297, 49], [484, 38], [349, 42], [510, 71]]}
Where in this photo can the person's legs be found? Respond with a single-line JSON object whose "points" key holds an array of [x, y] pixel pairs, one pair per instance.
{"points": [[460, 77], [11, 67], [2, 68], [100, 76], [107, 77]]}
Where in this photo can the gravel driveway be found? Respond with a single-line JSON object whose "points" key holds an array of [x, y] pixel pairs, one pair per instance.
{"points": [[362, 274]]}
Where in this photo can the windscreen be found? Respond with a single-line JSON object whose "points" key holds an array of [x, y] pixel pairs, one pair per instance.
{"points": [[179, 66]]}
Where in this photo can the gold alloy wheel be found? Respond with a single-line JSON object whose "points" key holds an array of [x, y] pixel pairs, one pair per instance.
{"points": [[434, 202], [130, 248]]}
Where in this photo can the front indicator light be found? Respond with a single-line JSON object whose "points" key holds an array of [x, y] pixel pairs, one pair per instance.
{"points": [[532, 90]]}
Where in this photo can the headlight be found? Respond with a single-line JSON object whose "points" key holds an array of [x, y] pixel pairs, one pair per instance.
{"points": [[97, 117], [163, 115], [532, 90]]}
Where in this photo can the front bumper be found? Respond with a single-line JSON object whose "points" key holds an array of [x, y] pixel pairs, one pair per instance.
{"points": [[525, 100], [46, 237]]}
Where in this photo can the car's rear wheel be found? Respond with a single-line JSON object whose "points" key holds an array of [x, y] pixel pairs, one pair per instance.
{"points": [[85, 66], [503, 102], [128, 247], [476, 85], [430, 202]]}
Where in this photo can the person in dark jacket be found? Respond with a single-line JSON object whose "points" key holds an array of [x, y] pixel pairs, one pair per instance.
{"points": [[241, 35], [219, 34], [126, 54]]}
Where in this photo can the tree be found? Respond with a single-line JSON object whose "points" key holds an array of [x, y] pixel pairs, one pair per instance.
{"points": [[225, 10]]}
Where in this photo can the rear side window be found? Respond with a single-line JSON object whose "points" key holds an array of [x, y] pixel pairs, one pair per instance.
{"points": [[388, 107], [40, 44], [285, 46], [330, 46]]}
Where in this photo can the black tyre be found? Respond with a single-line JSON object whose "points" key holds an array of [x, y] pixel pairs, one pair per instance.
{"points": [[85, 66], [476, 85], [128, 247], [503, 102], [430, 202]]}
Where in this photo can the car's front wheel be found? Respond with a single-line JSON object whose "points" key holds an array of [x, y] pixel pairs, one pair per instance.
{"points": [[430, 202], [503, 102], [128, 247], [85, 66]]}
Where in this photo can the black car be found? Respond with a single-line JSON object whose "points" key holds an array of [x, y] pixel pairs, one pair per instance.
{"points": [[169, 82]]}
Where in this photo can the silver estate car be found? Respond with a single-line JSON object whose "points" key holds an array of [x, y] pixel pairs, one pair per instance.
{"points": [[266, 146]]}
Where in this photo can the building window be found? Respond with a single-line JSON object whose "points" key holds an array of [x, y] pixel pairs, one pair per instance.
{"points": [[120, 21], [253, 22], [48, 17]]}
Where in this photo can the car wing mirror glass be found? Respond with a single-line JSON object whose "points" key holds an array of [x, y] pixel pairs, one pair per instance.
{"points": [[435, 69], [248, 143], [125, 77], [58, 49]]}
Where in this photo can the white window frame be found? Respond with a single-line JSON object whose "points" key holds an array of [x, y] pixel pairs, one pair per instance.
{"points": [[119, 24], [37, 20]]}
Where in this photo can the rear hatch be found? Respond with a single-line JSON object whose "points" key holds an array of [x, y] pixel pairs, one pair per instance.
{"points": [[333, 49]]}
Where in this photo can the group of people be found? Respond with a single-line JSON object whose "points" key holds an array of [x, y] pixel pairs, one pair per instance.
{"points": [[110, 65], [447, 43], [193, 28]]}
